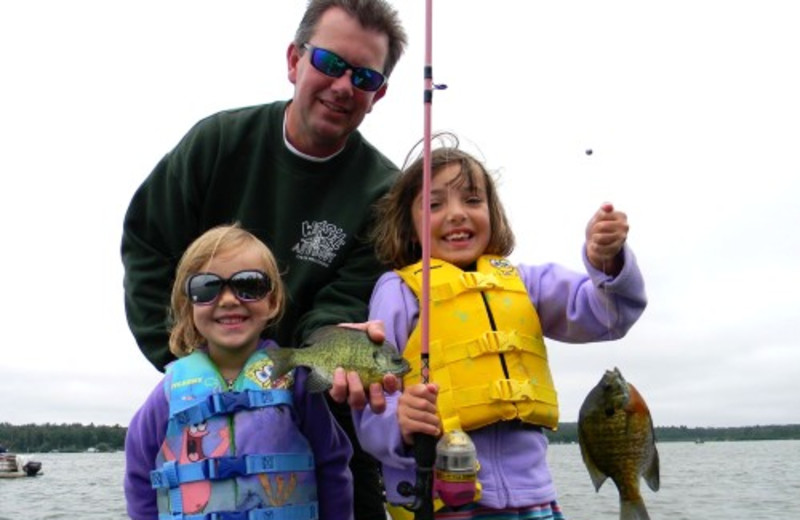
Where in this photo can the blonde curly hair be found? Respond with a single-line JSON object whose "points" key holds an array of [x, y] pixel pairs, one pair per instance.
{"points": [[184, 336]]}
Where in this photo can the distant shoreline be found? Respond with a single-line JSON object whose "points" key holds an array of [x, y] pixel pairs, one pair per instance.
{"points": [[43, 438], [568, 433]]}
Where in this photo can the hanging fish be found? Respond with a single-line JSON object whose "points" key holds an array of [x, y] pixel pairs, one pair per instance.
{"points": [[615, 432]]}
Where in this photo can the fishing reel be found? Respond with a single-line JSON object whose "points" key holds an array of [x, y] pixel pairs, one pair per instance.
{"points": [[454, 476], [456, 469]]}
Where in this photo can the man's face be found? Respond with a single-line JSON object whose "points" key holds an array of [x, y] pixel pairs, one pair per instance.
{"points": [[325, 110]]}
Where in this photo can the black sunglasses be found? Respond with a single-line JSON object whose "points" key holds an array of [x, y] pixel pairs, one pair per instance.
{"points": [[247, 286], [333, 65]]}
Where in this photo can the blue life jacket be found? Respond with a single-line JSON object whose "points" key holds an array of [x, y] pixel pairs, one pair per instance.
{"points": [[233, 453]]}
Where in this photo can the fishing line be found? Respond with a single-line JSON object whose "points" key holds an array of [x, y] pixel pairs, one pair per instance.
{"points": [[595, 189], [607, 304]]}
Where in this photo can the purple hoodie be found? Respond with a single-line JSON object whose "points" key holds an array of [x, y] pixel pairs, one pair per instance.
{"points": [[332, 451], [573, 308]]}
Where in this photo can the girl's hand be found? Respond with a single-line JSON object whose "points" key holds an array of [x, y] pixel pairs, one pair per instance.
{"points": [[606, 233], [416, 412]]}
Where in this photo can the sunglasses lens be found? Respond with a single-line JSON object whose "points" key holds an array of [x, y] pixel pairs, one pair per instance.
{"points": [[250, 286], [328, 63], [367, 79], [332, 65], [204, 288]]}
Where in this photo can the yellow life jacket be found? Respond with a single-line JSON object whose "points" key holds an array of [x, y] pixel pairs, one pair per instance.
{"points": [[487, 353]]}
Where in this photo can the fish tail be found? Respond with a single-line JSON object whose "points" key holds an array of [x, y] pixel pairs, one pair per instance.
{"points": [[633, 510], [281, 361]]}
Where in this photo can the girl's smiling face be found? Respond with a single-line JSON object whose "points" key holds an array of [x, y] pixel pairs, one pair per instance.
{"points": [[230, 326], [460, 221]]}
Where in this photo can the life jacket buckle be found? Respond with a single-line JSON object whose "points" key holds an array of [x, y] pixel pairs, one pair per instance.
{"points": [[510, 390], [224, 467], [230, 402], [479, 281], [228, 515], [166, 477]]}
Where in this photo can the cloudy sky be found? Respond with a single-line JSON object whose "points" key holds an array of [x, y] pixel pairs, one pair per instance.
{"points": [[691, 108]]}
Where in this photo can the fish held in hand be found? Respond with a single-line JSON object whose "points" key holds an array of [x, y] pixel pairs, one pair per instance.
{"points": [[331, 347], [615, 432]]}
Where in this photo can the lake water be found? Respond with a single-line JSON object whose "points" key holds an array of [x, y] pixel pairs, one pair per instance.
{"points": [[711, 481]]}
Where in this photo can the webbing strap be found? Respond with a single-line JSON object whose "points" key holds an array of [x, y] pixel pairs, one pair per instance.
{"points": [[230, 402], [507, 390], [308, 511], [172, 475], [467, 281], [491, 342]]}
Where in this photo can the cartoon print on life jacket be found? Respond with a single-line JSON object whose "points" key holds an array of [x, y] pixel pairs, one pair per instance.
{"points": [[277, 490], [503, 266], [282, 492], [195, 495], [261, 373]]}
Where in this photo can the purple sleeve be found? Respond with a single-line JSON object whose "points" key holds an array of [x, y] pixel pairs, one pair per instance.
{"points": [[579, 307], [332, 451], [379, 434], [145, 435]]}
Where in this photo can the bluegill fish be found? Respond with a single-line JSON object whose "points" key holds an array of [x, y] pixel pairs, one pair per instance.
{"points": [[615, 432], [331, 347]]}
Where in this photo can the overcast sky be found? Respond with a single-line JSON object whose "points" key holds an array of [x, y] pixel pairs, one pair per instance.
{"points": [[690, 106]]}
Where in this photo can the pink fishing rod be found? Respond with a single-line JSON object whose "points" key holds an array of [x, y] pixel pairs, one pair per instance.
{"points": [[425, 445], [426, 195]]}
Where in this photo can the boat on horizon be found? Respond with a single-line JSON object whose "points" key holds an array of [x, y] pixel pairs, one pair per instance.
{"points": [[14, 466]]}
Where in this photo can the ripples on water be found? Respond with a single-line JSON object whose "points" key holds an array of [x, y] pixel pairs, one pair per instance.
{"points": [[711, 481], [72, 486]]}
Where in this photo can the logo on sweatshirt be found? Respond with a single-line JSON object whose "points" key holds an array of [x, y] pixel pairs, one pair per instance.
{"points": [[319, 242]]}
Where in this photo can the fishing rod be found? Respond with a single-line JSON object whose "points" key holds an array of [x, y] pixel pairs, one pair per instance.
{"points": [[425, 445]]}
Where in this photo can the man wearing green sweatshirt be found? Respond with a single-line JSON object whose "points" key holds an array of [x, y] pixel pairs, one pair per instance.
{"points": [[300, 176]]}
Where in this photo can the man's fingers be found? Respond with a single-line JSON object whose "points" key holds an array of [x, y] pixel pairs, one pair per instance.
{"points": [[374, 329], [338, 391], [357, 398], [377, 400], [391, 383]]}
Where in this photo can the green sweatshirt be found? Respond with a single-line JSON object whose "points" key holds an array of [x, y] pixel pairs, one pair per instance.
{"points": [[234, 166]]}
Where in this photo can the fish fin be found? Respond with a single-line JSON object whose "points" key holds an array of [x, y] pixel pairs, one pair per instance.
{"points": [[281, 361], [652, 472], [597, 476], [633, 510], [316, 382]]}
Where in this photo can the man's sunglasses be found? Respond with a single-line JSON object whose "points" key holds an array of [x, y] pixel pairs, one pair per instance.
{"points": [[334, 66], [247, 286]]}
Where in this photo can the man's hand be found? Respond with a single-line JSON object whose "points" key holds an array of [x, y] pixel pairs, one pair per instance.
{"points": [[348, 386]]}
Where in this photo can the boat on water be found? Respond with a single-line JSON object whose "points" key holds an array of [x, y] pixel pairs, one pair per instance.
{"points": [[13, 466]]}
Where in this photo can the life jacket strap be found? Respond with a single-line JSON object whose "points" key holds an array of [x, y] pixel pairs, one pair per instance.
{"points": [[467, 281], [225, 403], [488, 343], [506, 390], [308, 511], [171, 475]]}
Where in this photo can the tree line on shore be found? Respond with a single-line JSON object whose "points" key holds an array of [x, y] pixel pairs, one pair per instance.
{"points": [[568, 433], [43, 438]]}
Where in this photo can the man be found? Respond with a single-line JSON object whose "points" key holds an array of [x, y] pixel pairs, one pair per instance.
{"points": [[297, 174]]}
